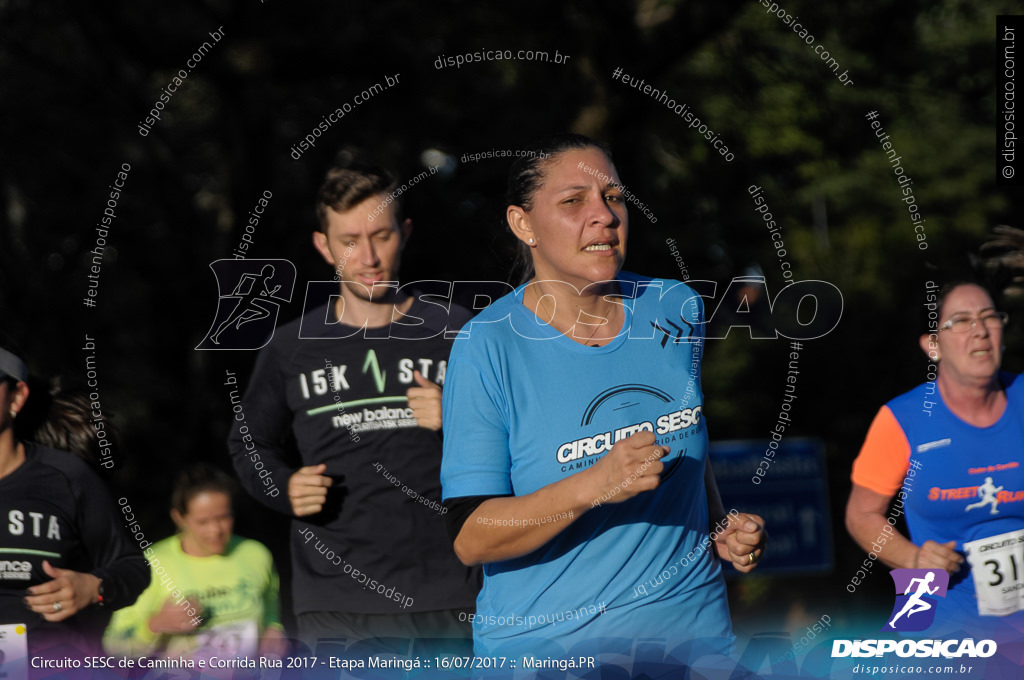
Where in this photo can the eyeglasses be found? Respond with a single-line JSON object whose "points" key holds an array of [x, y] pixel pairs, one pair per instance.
{"points": [[961, 324]]}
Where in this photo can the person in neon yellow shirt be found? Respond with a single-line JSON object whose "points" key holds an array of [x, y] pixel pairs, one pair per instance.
{"points": [[212, 593]]}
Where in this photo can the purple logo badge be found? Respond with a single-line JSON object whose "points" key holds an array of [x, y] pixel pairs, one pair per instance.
{"points": [[917, 591]]}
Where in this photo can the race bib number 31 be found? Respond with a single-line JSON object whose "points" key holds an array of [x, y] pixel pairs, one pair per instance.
{"points": [[13, 652], [997, 565]]}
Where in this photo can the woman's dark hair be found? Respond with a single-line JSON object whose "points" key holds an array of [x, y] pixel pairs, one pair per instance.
{"points": [[61, 417], [68, 425], [943, 292], [949, 287], [527, 175], [196, 479]]}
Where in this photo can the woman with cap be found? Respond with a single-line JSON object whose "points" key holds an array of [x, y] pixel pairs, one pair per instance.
{"points": [[67, 560]]}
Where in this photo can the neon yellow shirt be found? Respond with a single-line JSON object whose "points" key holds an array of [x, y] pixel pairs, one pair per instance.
{"points": [[235, 595]]}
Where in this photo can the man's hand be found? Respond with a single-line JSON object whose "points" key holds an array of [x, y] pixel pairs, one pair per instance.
{"points": [[67, 594], [742, 541], [172, 619], [630, 468], [933, 555], [307, 490], [425, 402]]}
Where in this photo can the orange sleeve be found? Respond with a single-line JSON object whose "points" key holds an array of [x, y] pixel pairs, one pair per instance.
{"points": [[884, 458]]}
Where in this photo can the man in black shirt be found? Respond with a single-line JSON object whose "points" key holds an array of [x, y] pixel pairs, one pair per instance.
{"points": [[357, 382]]}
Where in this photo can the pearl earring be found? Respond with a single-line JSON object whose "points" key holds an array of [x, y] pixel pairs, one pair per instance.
{"points": [[531, 241]]}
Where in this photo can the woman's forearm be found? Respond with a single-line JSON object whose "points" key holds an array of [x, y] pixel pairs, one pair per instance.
{"points": [[512, 526], [875, 535], [504, 528], [716, 510]]}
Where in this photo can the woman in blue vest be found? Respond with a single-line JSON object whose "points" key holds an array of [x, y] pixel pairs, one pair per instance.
{"points": [[950, 453]]}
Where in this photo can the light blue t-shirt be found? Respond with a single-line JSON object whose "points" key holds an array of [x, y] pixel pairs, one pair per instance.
{"points": [[524, 407]]}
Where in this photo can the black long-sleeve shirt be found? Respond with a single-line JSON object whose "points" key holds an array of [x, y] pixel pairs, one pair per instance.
{"points": [[54, 507], [380, 545]]}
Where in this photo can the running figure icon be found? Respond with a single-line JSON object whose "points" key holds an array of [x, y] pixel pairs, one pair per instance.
{"points": [[915, 604], [251, 303], [988, 492]]}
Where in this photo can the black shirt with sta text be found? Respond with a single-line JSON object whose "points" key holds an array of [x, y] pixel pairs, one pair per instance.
{"points": [[54, 507]]}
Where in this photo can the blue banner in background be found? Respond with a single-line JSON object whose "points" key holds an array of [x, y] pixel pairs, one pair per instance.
{"points": [[790, 493]]}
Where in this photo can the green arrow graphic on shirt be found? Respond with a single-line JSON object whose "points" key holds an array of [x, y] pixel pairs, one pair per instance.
{"points": [[378, 375]]}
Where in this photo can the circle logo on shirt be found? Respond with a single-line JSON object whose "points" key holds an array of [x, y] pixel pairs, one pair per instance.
{"points": [[623, 411]]}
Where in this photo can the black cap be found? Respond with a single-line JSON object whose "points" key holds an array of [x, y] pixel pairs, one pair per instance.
{"points": [[11, 366]]}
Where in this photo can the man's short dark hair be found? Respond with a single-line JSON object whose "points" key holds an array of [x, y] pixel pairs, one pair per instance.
{"points": [[345, 188]]}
